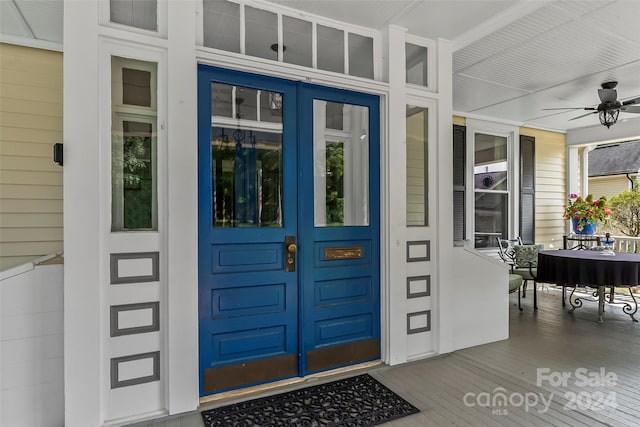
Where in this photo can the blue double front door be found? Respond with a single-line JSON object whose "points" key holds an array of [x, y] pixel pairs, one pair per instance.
{"points": [[289, 277]]}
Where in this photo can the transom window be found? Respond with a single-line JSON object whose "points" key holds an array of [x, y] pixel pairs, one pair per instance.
{"points": [[273, 35]]}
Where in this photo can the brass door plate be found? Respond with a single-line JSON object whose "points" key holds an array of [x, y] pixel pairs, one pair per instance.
{"points": [[350, 252]]}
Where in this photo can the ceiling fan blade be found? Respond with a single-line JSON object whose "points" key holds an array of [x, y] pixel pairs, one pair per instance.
{"points": [[574, 108], [607, 95], [630, 109], [632, 101], [583, 115]]}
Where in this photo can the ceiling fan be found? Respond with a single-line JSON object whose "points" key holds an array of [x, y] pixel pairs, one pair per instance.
{"points": [[609, 107]]}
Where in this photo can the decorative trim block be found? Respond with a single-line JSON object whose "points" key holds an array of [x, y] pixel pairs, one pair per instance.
{"points": [[116, 330], [427, 287], [419, 250], [120, 260], [117, 361], [426, 314]]}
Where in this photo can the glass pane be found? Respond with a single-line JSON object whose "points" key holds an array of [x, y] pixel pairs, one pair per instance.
{"points": [[222, 25], [360, 56], [133, 145], [246, 103], [271, 107], [417, 155], [334, 115], [133, 180], [491, 218], [261, 33], [330, 49], [297, 41], [490, 167], [341, 167], [222, 100], [416, 64], [135, 13], [242, 103], [246, 178], [136, 87], [246, 159]]}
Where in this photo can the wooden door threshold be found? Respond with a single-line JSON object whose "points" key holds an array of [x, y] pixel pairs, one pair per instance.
{"points": [[235, 394]]}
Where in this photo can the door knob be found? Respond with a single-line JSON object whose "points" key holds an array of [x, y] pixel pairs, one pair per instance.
{"points": [[290, 253]]}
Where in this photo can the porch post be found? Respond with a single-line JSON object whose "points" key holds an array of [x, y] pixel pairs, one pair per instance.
{"points": [[584, 169], [182, 200], [445, 297], [83, 269], [573, 171], [396, 198]]}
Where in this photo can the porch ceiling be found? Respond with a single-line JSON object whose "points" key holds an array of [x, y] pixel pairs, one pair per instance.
{"points": [[512, 58]]}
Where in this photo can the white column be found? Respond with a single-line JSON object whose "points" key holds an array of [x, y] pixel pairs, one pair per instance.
{"points": [[572, 170], [82, 264], [584, 169], [182, 257], [396, 198], [445, 296]]}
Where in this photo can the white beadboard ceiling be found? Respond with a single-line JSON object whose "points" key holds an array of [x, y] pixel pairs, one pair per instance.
{"points": [[512, 58]]}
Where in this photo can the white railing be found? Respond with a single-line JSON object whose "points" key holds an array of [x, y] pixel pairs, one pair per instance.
{"points": [[626, 244]]}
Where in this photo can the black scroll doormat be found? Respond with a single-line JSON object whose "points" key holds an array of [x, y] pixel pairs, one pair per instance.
{"points": [[355, 401]]}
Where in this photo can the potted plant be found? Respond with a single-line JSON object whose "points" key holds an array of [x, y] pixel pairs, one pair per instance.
{"points": [[585, 213]]}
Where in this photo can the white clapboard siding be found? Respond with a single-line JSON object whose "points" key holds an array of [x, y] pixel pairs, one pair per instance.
{"points": [[30, 183]]}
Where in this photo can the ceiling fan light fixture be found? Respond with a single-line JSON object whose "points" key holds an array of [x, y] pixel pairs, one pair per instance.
{"points": [[608, 117]]}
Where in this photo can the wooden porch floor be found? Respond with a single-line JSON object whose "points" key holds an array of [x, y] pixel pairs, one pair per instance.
{"points": [[460, 388]]}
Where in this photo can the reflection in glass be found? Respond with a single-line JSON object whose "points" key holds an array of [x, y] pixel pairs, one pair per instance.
{"points": [[246, 157], [490, 176], [134, 181], [341, 166], [490, 167], [261, 31], [335, 183], [334, 115], [297, 37], [417, 64], [330, 47], [490, 218], [417, 156], [133, 170], [221, 25], [360, 56], [135, 13], [246, 178]]}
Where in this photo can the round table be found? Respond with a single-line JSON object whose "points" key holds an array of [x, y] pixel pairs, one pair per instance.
{"points": [[591, 268]]}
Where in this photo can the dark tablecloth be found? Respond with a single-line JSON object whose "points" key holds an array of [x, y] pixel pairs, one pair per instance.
{"points": [[588, 268]]}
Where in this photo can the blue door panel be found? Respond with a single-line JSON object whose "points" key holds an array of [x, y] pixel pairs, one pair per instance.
{"points": [[338, 330], [349, 272], [342, 291], [248, 301], [248, 344], [233, 258]]}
